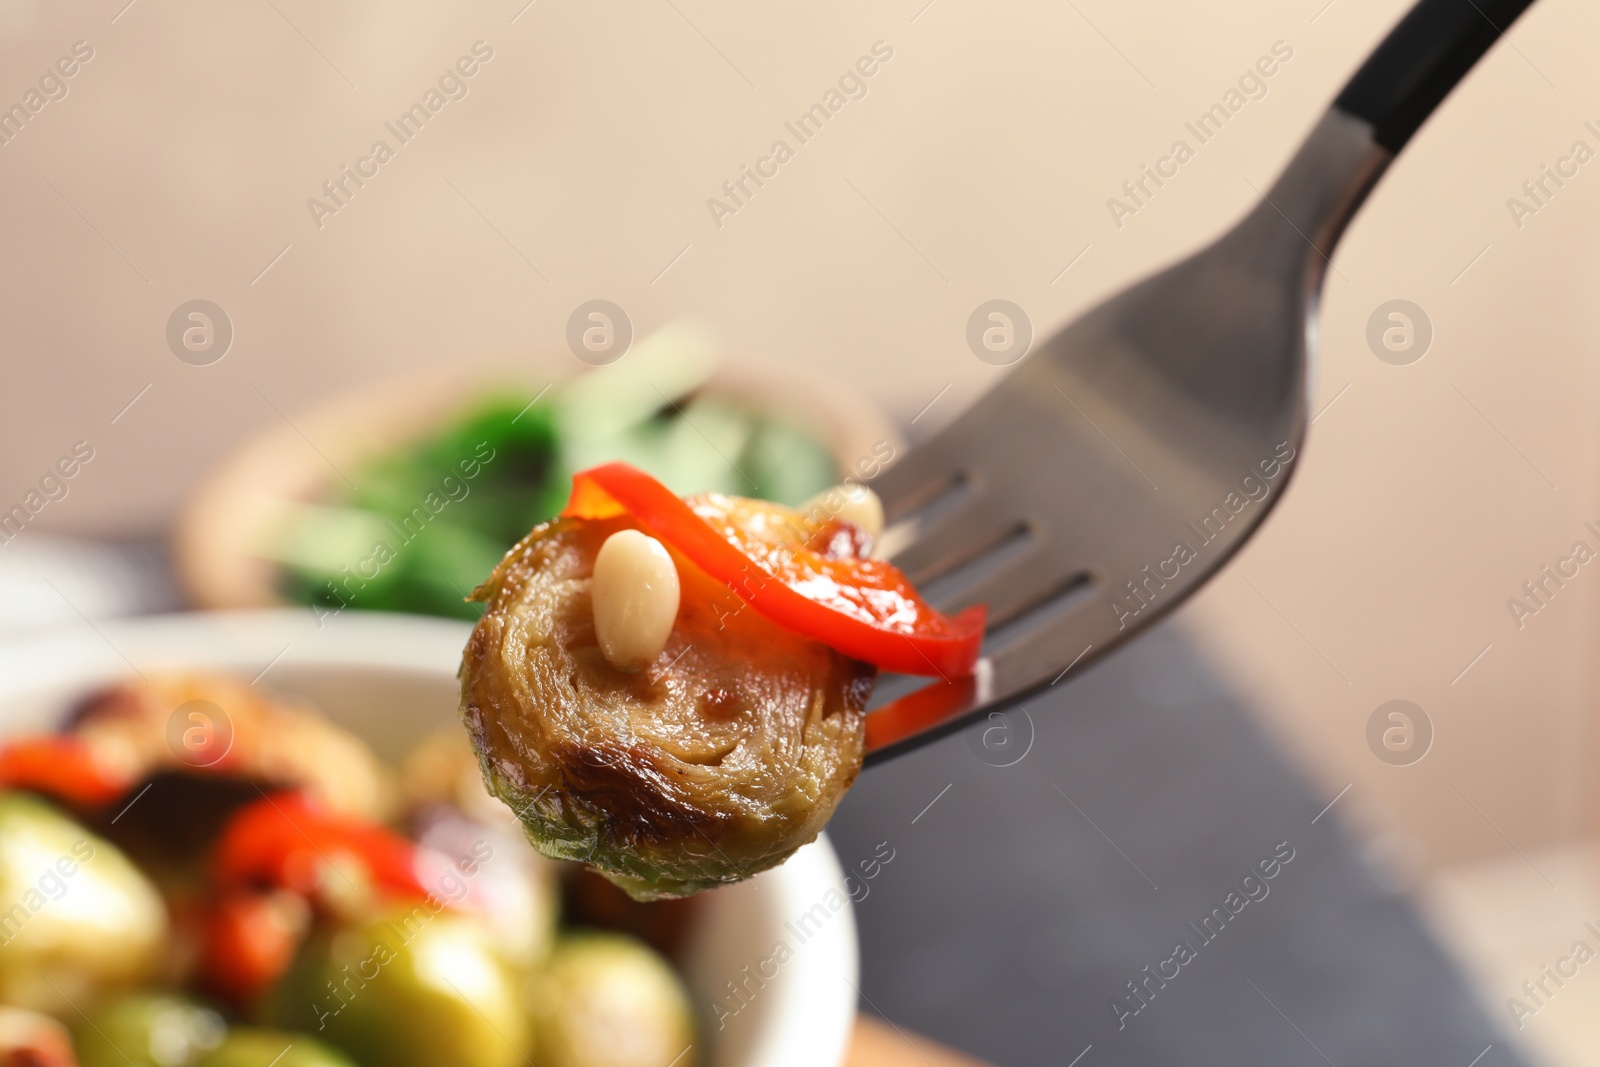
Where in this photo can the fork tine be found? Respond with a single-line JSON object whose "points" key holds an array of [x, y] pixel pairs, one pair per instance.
{"points": [[976, 579], [931, 711], [922, 478], [953, 540], [1021, 583]]}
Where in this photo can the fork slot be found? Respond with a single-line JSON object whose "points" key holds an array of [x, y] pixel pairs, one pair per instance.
{"points": [[891, 687], [933, 499], [1062, 598], [926, 713], [947, 578]]}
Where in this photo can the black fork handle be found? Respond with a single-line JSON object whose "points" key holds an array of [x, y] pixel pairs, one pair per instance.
{"points": [[1420, 61]]}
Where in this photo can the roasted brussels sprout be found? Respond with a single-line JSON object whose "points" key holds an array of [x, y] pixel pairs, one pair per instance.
{"points": [[80, 918], [148, 1030], [606, 1000], [442, 771], [272, 1048], [216, 724], [714, 762], [414, 988]]}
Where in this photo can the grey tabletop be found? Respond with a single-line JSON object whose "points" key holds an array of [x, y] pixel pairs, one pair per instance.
{"points": [[1131, 867]]}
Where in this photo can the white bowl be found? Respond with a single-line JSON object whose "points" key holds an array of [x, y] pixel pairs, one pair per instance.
{"points": [[392, 679]]}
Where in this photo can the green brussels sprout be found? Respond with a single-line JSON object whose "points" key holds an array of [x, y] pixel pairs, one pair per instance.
{"points": [[148, 1030], [76, 917], [414, 988], [272, 1048], [606, 1000]]}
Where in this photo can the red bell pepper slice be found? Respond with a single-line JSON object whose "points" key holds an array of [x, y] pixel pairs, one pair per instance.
{"points": [[864, 608], [286, 841], [60, 766], [247, 943]]}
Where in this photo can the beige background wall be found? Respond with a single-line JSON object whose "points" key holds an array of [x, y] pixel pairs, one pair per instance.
{"points": [[978, 165]]}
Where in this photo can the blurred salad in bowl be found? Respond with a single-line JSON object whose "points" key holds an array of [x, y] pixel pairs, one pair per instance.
{"points": [[414, 525], [275, 895]]}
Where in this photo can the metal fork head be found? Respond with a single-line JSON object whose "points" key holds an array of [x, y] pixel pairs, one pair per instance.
{"points": [[1121, 463]]}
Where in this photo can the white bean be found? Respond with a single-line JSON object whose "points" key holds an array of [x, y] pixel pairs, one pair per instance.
{"points": [[635, 597], [848, 503]]}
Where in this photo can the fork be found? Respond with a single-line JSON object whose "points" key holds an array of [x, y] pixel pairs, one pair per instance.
{"points": [[1125, 460]]}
